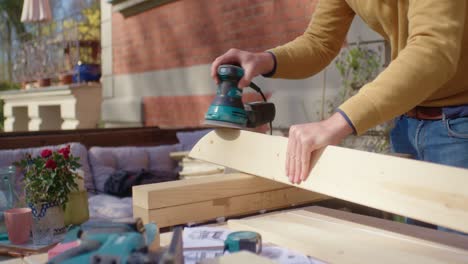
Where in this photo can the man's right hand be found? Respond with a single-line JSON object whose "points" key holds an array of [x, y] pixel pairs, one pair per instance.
{"points": [[253, 64]]}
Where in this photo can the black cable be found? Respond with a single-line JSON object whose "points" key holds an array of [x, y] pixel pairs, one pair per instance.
{"points": [[258, 90]]}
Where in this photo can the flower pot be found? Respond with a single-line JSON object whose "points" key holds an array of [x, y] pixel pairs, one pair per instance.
{"points": [[87, 73], [48, 222], [44, 82], [65, 79], [76, 210]]}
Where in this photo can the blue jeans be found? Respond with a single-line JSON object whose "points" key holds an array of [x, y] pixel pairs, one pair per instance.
{"points": [[440, 141]]}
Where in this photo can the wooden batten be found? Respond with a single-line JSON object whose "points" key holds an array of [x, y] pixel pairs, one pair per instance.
{"points": [[204, 199], [421, 190], [166, 194], [209, 210]]}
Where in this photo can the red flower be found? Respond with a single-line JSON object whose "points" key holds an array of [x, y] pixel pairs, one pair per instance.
{"points": [[46, 153], [51, 164], [65, 151]]}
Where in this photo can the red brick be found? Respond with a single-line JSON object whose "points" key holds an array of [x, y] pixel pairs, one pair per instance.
{"points": [[190, 32]]}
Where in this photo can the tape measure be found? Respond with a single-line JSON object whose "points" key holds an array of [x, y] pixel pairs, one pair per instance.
{"points": [[243, 240]]}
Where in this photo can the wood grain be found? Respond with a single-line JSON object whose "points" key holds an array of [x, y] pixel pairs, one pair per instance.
{"points": [[199, 212], [339, 241], [166, 194], [421, 190]]}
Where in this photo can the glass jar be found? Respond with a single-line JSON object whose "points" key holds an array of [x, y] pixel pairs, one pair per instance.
{"points": [[8, 197]]}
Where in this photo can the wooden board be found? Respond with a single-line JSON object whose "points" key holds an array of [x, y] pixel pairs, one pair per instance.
{"points": [[239, 257], [166, 194], [425, 191], [23, 250], [178, 155], [199, 212], [336, 240]]}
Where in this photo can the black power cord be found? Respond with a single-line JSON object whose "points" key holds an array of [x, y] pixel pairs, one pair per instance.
{"points": [[258, 90]]}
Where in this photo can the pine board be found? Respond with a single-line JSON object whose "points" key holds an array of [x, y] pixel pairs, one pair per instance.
{"points": [[167, 194], [239, 257], [339, 241], [421, 190], [198, 212]]}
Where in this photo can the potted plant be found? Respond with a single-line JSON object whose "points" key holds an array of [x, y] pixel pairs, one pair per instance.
{"points": [[65, 78], [358, 66], [49, 179]]}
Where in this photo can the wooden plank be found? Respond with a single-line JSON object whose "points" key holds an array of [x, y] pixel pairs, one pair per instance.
{"points": [[417, 232], [178, 155], [36, 259], [199, 212], [338, 241], [166, 194], [239, 257], [425, 191]]}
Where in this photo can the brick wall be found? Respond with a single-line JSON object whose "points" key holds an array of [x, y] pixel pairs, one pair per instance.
{"points": [[191, 32]]}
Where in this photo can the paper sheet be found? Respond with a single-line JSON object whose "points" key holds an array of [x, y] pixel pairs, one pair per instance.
{"points": [[208, 242]]}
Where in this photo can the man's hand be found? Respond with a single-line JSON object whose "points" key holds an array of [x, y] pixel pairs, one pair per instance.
{"points": [[304, 139], [253, 64]]}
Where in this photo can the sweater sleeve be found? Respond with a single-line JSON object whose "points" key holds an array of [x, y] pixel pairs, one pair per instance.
{"points": [[428, 61], [315, 49]]}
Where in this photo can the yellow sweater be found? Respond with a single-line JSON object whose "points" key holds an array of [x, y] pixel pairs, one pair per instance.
{"points": [[429, 40]]}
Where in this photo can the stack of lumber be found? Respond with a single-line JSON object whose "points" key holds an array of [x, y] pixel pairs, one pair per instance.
{"points": [[191, 167], [204, 199]]}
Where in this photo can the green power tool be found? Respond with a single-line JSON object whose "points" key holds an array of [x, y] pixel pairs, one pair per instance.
{"points": [[228, 110]]}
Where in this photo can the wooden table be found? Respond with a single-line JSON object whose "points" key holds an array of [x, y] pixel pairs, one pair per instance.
{"points": [[342, 237]]}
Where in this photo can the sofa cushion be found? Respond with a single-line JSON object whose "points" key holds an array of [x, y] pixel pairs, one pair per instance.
{"points": [[188, 139], [106, 160], [105, 206], [160, 159], [102, 162]]}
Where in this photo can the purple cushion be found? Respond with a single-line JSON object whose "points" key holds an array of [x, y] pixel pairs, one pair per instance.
{"points": [[188, 140], [7, 157], [160, 159], [102, 162], [131, 158]]}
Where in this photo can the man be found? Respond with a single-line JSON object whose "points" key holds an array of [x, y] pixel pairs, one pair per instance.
{"points": [[425, 87]]}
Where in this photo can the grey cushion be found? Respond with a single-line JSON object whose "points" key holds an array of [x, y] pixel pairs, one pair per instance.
{"points": [[104, 206], [106, 160], [160, 159]]}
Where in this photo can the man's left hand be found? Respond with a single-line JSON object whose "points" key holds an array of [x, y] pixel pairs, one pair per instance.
{"points": [[304, 139]]}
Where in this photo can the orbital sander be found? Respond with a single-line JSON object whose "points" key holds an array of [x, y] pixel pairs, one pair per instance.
{"points": [[227, 108]]}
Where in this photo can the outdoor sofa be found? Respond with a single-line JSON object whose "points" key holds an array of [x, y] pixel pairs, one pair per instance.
{"points": [[103, 152]]}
